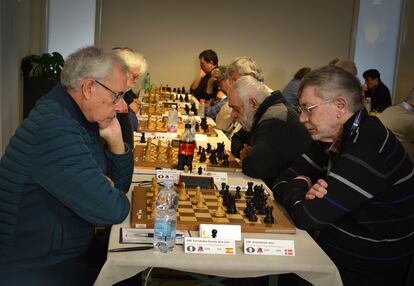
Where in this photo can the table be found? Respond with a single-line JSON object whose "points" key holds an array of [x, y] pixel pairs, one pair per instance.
{"points": [[310, 262]]}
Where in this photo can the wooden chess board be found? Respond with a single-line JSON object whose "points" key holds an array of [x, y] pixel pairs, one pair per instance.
{"points": [[160, 125], [159, 159], [189, 217]]}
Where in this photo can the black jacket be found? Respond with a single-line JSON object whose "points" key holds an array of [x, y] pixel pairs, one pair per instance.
{"points": [[277, 139]]}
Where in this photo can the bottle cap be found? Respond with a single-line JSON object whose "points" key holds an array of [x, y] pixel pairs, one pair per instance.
{"points": [[173, 106], [202, 100], [168, 183]]}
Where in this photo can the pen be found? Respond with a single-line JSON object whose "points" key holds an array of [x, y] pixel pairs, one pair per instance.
{"points": [[178, 235], [136, 248]]}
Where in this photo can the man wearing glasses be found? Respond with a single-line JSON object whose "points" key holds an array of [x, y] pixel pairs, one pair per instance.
{"points": [[355, 186], [65, 171]]}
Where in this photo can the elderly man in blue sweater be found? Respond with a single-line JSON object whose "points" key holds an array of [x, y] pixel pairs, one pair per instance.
{"points": [[65, 171]]}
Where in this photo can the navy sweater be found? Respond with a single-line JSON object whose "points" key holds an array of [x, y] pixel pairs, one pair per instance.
{"points": [[53, 186]]}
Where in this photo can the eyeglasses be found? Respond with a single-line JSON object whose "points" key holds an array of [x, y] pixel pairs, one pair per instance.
{"points": [[117, 95], [308, 109]]}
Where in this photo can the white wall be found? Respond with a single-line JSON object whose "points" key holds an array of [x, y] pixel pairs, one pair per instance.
{"points": [[377, 38], [281, 35], [71, 25]]}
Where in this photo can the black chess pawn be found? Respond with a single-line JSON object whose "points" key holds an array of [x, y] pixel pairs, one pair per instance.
{"points": [[208, 150], [203, 156], [249, 191], [231, 206], [252, 217], [204, 124], [197, 127], [225, 162], [200, 170], [214, 233], [237, 196], [142, 140], [186, 97], [223, 188], [269, 219], [187, 109], [199, 150]]}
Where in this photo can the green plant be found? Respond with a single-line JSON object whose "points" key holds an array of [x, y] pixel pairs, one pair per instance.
{"points": [[46, 66]]}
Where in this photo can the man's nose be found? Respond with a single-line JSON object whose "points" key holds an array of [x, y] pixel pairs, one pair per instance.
{"points": [[303, 117], [121, 106]]}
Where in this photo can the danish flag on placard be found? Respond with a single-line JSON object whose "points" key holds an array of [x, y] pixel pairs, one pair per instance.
{"points": [[288, 251]]}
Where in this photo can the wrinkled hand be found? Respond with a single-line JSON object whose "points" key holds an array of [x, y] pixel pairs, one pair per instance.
{"points": [[318, 190], [245, 151], [112, 135]]}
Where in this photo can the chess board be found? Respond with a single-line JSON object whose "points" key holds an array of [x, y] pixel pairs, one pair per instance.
{"points": [[189, 217], [159, 159], [152, 126]]}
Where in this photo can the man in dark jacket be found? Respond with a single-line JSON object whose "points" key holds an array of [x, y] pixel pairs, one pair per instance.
{"points": [[274, 137], [204, 86], [376, 90], [354, 186], [65, 171]]}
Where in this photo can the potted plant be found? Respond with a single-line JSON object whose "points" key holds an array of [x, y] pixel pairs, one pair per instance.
{"points": [[40, 75]]}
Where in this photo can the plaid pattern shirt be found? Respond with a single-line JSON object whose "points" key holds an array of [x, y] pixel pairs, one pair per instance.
{"points": [[212, 110]]}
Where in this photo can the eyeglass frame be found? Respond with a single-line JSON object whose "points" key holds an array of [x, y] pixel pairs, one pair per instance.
{"points": [[117, 95], [308, 109]]}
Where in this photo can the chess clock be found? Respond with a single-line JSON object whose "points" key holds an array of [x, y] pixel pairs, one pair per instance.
{"points": [[194, 181]]}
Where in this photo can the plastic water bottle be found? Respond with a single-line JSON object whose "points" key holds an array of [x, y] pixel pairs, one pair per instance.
{"points": [[147, 83], [165, 225], [172, 119], [201, 108], [192, 121]]}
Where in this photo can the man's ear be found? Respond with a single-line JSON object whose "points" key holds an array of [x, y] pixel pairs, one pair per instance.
{"points": [[87, 86], [253, 103], [342, 104]]}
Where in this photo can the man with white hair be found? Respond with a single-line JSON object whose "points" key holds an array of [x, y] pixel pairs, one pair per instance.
{"points": [[354, 187], [277, 137]]}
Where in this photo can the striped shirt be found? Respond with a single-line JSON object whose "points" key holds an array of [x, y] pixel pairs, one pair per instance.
{"points": [[368, 212]]}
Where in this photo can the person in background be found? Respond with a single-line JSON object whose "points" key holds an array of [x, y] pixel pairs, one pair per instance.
{"points": [[290, 92], [241, 66], [277, 137], [221, 77], [65, 171], [375, 89], [208, 61], [347, 65], [137, 66], [400, 120], [354, 187]]}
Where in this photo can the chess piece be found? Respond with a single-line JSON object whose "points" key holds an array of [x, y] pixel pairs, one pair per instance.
{"points": [[197, 196], [269, 219], [200, 200], [199, 150], [252, 217], [186, 169], [154, 209], [249, 191], [208, 150], [200, 170], [142, 140], [225, 162], [220, 210], [213, 158], [203, 157], [237, 196], [182, 196], [169, 153]]}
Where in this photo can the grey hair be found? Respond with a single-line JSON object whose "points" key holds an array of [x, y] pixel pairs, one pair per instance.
{"points": [[132, 59], [332, 82], [89, 62], [246, 66], [248, 87]]}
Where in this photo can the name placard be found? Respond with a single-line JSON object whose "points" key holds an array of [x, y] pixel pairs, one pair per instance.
{"points": [[269, 247], [198, 245], [220, 231]]}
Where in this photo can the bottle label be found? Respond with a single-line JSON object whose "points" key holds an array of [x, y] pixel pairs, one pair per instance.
{"points": [[165, 230], [186, 148]]}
